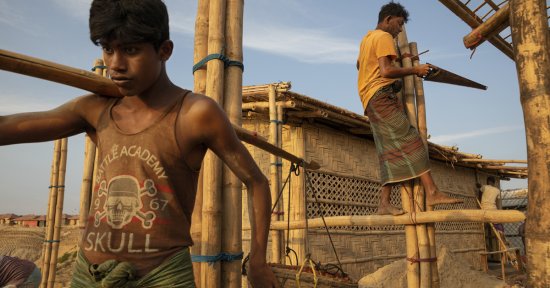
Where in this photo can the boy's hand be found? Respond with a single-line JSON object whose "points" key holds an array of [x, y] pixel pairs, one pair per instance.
{"points": [[260, 275]]}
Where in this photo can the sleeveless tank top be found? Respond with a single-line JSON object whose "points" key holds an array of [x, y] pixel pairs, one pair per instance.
{"points": [[143, 194]]}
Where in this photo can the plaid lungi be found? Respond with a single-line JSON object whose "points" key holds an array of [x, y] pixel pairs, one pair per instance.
{"points": [[401, 153]]}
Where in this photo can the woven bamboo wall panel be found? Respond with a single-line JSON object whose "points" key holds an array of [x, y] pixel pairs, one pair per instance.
{"points": [[454, 179], [340, 152]]}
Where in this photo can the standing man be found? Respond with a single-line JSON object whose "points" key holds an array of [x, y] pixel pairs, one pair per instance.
{"points": [[489, 197], [151, 145], [401, 152]]}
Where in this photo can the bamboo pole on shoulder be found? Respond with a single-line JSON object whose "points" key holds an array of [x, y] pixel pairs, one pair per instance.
{"points": [[58, 222], [408, 81], [423, 131], [232, 185], [212, 165], [199, 86], [531, 38], [273, 172], [50, 214]]}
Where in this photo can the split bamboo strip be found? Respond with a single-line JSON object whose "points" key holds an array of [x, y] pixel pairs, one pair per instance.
{"points": [[273, 171], [493, 216], [50, 214], [504, 167], [88, 170], [531, 38], [413, 268], [232, 186], [26, 65], [423, 131], [212, 165], [200, 51], [58, 222], [492, 26], [265, 105], [263, 89]]}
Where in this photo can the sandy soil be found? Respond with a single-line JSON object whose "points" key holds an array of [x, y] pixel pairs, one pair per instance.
{"points": [[453, 272]]}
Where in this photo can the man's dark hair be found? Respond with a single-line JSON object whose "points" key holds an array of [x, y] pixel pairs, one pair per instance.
{"points": [[393, 9], [129, 21], [491, 180]]}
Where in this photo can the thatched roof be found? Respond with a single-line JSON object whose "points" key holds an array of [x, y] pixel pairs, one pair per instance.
{"points": [[300, 108], [28, 217], [8, 216]]}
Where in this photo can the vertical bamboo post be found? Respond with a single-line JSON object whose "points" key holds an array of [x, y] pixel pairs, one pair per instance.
{"points": [[280, 204], [413, 269], [200, 51], [408, 81], [58, 213], [50, 214], [298, 238], [212, 165], [88, 170], [232, 186], [273, 169], [423, 130], [530, 35]]}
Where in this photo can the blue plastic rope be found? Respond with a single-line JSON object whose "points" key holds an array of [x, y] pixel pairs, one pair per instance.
{"points": [[99, 67], [226, 62], [226, 257]]}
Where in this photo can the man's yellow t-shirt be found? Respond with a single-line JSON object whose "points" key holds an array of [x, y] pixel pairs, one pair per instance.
{"points": [[374, 45]]}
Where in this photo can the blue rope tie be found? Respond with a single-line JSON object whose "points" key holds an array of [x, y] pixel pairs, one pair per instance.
{"points": [[211, 259], [99, 67], [276, 121], [226, 62], [279, 164], [52, 241], [56, 186]]}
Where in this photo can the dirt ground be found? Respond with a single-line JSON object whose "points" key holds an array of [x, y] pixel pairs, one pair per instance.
{"points": [[27, 243], [453, 272]]}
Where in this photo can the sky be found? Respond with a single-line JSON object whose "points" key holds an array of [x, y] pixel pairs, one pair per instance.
{"points": [[311, 43]]}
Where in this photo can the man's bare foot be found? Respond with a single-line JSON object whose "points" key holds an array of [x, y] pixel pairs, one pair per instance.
{"points": [[440, 198], [388, 210]]}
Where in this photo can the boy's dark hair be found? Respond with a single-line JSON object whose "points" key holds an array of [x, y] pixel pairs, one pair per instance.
{"points": [[491, 180], [129, 21], [393, 9]]}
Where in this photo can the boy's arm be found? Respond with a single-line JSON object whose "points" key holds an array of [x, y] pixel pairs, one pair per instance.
{"points": [[66, 120], [220, 137]]}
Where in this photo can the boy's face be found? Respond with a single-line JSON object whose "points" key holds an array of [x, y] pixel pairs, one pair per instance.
{"points": [[394, 25], [133, 67]]}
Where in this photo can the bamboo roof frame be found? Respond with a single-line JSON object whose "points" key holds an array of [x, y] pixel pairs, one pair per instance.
{"points": [[302, 108], [486, 21]]}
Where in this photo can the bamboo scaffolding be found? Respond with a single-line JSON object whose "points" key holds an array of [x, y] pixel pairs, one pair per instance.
{"points": [[413, 268], [50, 215], [200, 51], [298, 239], [492, 26], [212, 165], [88, 169], [58, 222], [232, 186], [476, 216], [264, 106], [423, 131], [493, 161], [529, 24], [273, 169], [280, 207], [264, 88]]}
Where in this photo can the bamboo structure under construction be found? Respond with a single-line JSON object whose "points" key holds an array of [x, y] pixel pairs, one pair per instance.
{"points": [[529, 24], [274, 172], [232, 186], [57, 222], [50, 214]]}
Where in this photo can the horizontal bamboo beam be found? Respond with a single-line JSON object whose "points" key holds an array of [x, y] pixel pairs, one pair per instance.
{"points": [[486, 216], [491, 27], [492, 161], [30, 66]]}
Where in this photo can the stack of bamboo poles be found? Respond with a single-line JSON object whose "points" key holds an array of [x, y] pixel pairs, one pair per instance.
{"points": [[218, 31], [54, 217]]}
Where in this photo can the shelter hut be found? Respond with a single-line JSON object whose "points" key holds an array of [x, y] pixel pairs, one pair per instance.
{"points": [[29, 220], [347, 184], [7, 219]]}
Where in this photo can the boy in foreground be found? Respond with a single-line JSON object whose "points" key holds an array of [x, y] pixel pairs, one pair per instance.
{"points": [[151, 144]]}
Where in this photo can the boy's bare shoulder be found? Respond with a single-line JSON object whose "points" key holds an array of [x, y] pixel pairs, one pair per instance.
{"points": [[199, 105]]}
